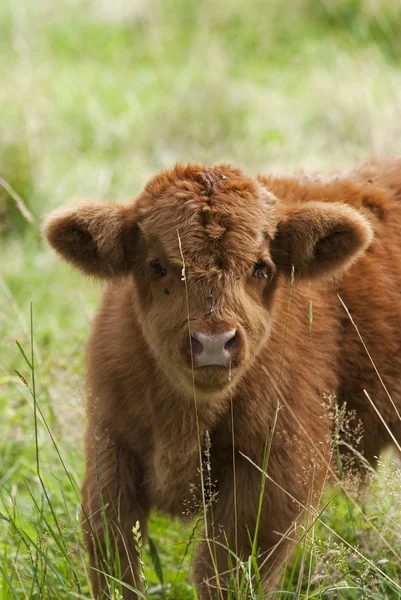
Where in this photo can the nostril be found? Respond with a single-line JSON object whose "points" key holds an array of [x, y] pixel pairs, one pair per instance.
{"points": [[196, 346], [233, 343]]}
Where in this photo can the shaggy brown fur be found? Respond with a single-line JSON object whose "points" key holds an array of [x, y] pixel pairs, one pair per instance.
{"points": [[150, 408]]}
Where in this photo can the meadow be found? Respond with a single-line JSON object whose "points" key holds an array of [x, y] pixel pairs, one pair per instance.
{"points": [[95, 97]]}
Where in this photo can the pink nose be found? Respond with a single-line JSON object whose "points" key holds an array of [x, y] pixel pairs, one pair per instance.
{"points": [[214, 350]]}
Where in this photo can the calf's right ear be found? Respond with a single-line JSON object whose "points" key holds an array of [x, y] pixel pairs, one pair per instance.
{"points": [[96, 237]]}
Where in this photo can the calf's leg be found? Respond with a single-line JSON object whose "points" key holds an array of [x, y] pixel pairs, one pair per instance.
{"points": [[113, 501], [217, 571]]}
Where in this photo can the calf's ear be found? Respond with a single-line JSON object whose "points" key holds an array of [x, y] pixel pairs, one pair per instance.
{"points": [[96, 237], [321, 240]]}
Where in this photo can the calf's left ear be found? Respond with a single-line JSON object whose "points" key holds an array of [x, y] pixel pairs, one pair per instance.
{"points": [[98, 238], [321, 240]]}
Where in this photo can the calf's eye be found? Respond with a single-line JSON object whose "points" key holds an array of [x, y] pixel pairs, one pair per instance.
{"points": [[260, 268], [157, 267]]}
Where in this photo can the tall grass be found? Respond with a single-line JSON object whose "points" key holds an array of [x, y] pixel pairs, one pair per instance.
{"points": [[94, 98]]}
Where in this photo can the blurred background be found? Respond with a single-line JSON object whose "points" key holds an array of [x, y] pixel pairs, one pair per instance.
{"points": [[95, 97]]}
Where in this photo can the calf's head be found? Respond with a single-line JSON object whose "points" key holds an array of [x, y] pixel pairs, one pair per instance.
{"points": [[204, 251]]}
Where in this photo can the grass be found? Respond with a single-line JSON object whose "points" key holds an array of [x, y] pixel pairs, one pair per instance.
{"points": [[94, 98]]}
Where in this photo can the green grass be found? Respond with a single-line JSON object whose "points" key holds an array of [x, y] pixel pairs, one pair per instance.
{"points": [[94, 98]]}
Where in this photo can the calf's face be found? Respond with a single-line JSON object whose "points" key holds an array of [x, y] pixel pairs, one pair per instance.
{"points": [[206, 250]]}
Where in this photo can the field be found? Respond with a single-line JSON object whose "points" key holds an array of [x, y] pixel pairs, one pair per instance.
{"points": [[95, 97]]}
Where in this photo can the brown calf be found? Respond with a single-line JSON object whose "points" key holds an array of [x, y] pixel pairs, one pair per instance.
{"points": [[203, 341]]}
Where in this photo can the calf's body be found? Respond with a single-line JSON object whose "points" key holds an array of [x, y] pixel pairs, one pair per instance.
{"points": [[202, 252]]}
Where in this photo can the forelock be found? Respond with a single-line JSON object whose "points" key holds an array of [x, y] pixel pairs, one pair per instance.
{"points": [[221, 214], [200, 181]]}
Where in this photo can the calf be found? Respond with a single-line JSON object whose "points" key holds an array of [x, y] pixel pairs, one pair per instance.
{"points": [[220, 335]]}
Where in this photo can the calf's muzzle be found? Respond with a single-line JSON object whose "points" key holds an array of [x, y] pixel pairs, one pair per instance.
{"points": [[214, 349]]}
